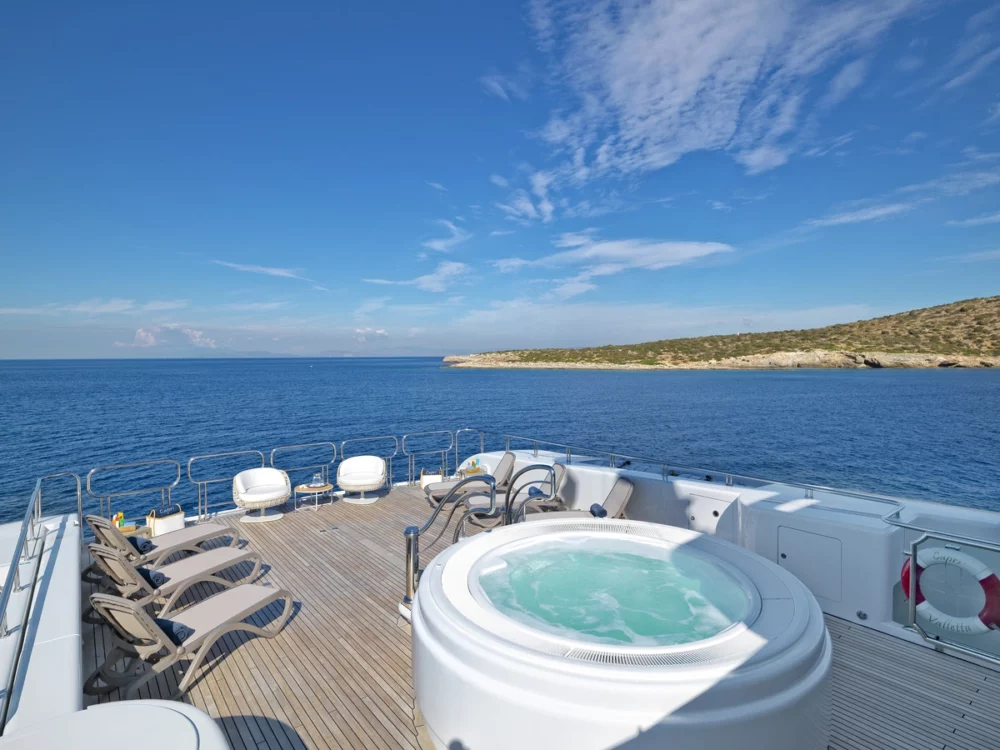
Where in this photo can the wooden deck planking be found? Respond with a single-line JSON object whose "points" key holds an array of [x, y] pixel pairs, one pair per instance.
{"points": [[338, 676]]}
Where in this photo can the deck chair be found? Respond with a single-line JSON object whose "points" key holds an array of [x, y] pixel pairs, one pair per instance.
{"points": [[163, 641], [613, 506], [540, 496], [145, 585], [155, 550], [505, 468]]}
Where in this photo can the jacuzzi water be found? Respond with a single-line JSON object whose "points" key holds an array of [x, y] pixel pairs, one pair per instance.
{"points": [[609, 593]]}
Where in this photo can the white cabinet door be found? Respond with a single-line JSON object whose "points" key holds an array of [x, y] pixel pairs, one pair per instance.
{"points": [[814, 559]]}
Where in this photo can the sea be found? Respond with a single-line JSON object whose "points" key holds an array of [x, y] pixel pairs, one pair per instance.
{"points": [[924, 434]]}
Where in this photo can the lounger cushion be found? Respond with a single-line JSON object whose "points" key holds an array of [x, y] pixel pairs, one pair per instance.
{"points": [[141, 544], [177, 632], [264, 493]]}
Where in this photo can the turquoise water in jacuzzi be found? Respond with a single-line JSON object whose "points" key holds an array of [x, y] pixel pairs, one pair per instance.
{"points": [[607, 592]]}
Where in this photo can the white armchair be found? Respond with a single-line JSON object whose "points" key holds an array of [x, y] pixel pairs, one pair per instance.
{"points": [[260, 489], [361, 474]]}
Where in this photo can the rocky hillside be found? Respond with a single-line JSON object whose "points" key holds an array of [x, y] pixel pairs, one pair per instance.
{"points": [[960, 334]]}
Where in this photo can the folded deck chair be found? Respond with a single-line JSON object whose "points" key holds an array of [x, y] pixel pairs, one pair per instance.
{"points": [[612, 507], [144, 585], [505, 468], [154, 551], [165, 640]]}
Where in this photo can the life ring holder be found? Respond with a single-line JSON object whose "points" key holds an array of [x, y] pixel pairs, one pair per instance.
{"points": [[988, 618]]}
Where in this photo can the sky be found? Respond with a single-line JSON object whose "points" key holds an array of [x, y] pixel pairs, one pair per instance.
{"points": [[370, 179]]}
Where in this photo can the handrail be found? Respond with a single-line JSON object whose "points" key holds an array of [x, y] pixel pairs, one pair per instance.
{"points": [[387, 456], [323, 467], [411, 463], [412, 533], [202, 484], [164, 490], [508, 510]]}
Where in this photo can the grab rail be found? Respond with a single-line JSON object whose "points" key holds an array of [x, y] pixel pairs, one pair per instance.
{"points": [[411, 464], [323, 467], [509, 502], [164, 490], [412, 533], [482, 443], [202, 484]]}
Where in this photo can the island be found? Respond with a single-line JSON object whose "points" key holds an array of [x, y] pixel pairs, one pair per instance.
{"points": [[957, 335]]}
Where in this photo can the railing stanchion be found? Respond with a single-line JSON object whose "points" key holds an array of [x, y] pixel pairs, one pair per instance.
{"points": [[412, 535]]}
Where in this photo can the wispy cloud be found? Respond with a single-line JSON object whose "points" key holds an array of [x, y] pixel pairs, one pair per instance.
{"points": [[369, 306], [509, 265], [519, 207], [143, 339], [986, 255], [362, 335], [956, 184], [661, 79], [158, 305], [977, 221], [501, 232], [719, 206], [870, 213], [284, 273], [100, 306], [194, 336], [505, 87], [993, 113], [444, 276], [438, 186], [499, 181], [457, 235], [980, 64]]}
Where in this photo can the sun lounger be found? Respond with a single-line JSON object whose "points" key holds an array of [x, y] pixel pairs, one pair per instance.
{"points": [[145, 585], [612, 507], [505, 468], [165, 640], [154, 551]]}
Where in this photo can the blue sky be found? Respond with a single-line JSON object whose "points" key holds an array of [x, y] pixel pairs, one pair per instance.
{"points": [[373, 178]]}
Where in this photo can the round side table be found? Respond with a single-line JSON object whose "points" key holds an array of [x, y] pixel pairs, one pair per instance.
{"points": [[315, 491]]}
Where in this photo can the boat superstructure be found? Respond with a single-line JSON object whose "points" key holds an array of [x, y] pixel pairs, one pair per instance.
{"points": [[904, 675]]}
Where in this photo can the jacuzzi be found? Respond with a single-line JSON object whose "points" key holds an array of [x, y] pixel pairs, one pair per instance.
{"points": [[606, 633]]}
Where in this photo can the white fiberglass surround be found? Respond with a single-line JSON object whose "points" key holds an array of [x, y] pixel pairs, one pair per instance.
{"points": [[485, 681]]}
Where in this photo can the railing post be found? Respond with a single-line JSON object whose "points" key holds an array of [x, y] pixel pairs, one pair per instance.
{"points": [[482, 441], [534, 449], [506, 443], [569, 455], [412, 536]]}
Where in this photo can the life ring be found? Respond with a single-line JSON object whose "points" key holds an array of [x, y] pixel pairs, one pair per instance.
{"points": [[987, 619]]}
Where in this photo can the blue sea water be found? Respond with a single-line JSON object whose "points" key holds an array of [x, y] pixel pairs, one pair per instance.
{"points": [[926, 434]]}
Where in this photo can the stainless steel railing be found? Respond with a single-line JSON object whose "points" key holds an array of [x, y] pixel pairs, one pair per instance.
{"points": [[412, 533], [323, 467], [202, 483], [458, 435], [411, 455], [164, 490]]}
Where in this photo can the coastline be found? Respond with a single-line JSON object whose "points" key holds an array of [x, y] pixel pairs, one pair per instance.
{"points": [[811, 359]]}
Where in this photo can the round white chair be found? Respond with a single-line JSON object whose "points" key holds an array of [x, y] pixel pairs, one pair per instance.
{"points": [[260, 489], [361, 474]]}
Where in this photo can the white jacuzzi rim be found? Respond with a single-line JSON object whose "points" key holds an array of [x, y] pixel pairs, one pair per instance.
{"points": [[444, 587], [505, 626]]}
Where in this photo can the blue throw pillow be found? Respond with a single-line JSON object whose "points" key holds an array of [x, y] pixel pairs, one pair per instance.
{"points": [[534, 492], [175, 631], [153, 577], [142, 545], [598, 511]]}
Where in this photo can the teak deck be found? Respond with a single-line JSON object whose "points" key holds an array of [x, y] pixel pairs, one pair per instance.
{"points": [[338, 676]]}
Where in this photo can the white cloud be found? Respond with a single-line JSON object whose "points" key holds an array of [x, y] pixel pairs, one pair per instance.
{"points": [[909, 63], [973, 155], [834, 144], [993, 112], [446, 274], [519, 207], [501, 232], [143, 339], [509, 265], [504, 87], [981, 64], [100, 306], [361, 335], [719, 206], [659, 79], [158, 305], [456, 237], [915, 137], [47, 310], [850, 77], [284, 273], [438, 186], [871, 213], [499, 181], [977, 221], [959, 183]]}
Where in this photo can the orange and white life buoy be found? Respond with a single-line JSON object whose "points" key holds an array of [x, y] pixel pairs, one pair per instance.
{"points": [[986, 620]]}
